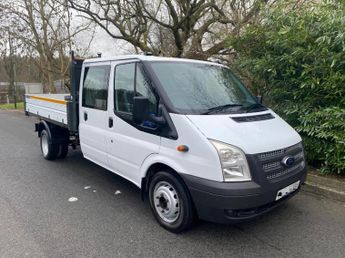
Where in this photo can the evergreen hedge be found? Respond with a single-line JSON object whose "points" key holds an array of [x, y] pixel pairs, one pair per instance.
{"points": [[297, 59]]}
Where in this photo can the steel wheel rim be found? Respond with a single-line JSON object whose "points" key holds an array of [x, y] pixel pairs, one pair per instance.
{"points": [[166, 202], [44, 144]]}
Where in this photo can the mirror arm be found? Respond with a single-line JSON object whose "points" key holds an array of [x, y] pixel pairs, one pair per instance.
{"points": [[160, 120]]}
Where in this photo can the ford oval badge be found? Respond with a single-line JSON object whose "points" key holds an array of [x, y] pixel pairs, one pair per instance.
{"points": [[288, 161]]}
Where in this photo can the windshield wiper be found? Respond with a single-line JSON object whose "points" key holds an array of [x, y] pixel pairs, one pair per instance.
{"points": [[255, 106], [220, 108]]}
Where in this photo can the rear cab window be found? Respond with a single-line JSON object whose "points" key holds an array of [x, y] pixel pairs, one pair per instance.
{"points": [[95, 87]]}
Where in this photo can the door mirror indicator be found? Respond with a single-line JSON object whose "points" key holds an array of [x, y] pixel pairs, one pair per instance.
{"points": [[159, 120]]}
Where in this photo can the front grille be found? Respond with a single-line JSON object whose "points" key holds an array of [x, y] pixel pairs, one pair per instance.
{"points": [[273, 166]]}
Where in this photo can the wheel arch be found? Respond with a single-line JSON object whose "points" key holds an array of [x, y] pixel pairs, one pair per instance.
{"points": [[43, 125], [157, 166], [56, 134], [154, 164]]}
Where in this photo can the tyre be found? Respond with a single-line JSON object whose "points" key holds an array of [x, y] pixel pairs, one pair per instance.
{"points": [[63, 150], [49, 150], [170, 202]]}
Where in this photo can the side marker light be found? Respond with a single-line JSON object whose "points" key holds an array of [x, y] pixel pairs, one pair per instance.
{"points": [[183, 148]]}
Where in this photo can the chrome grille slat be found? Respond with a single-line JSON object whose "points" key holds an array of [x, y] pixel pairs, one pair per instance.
{"points": [[268, 166], [271, 154]]}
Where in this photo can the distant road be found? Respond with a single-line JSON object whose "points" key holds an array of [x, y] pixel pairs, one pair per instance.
{"points": [[38, 220]]}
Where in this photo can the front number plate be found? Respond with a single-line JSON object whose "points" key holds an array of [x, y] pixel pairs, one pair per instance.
{"points": [[287, 190]]}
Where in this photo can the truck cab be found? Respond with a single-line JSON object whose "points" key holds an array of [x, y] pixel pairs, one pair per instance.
{"points": [[186, 132]]}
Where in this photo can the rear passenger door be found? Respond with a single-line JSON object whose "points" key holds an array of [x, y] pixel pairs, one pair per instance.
{"points": [[128, 145], [93, 112]]}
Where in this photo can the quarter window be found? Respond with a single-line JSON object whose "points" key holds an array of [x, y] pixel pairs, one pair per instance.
{"points": [[95, 87]]}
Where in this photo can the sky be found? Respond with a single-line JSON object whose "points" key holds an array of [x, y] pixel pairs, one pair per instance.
{"points": [[102, 43]]}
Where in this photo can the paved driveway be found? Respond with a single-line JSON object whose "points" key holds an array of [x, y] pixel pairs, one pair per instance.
{"points": [[37, 220]]}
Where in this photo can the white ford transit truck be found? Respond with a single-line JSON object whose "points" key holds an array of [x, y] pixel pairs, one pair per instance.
{"points": [[186, 132]]}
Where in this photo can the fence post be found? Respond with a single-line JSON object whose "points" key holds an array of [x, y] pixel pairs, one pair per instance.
{"points": [[14, 86]]}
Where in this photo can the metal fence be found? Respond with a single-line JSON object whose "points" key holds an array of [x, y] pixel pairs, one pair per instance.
{"points": [[22, 88], [6, 98]]}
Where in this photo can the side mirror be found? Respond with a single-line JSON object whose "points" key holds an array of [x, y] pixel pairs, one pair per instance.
{"points": [[140, 109], [259, 99]]}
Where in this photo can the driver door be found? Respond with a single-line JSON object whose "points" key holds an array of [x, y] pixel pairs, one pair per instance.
{"points": [[128, 146]]}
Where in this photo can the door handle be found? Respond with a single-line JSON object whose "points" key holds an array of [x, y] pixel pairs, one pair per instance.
{"points": [[110, 122], [85, 116]]}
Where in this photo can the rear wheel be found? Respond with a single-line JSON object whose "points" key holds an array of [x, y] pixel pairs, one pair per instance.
{"points": [[170, 202], [49, 150]]}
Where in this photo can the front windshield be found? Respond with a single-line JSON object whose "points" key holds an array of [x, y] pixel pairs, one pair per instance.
{"points": [[200, 87]]}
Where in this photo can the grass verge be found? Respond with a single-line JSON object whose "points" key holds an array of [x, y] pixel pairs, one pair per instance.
{"points": [[20, 105]]}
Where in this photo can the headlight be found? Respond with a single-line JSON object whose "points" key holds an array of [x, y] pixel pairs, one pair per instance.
{"points": [[234, 163]]}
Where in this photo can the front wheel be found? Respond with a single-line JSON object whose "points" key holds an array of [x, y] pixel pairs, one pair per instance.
{"points": [[170, 202]]}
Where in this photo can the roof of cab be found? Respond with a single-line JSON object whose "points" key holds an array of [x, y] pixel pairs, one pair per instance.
{"points": [[146, 58]]}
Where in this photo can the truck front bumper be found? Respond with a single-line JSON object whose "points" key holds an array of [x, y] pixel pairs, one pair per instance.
{"points": [[224, 202]]}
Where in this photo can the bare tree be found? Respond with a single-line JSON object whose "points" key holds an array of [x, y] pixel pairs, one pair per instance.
{"points": [[44, 27], [181, 28], [9, 54]]}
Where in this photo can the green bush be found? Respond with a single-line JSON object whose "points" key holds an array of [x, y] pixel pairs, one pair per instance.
{"points": [[297, 59]]}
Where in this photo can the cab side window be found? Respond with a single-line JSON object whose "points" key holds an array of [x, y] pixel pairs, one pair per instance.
{"points": [[95, 87], [129, 82]]}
